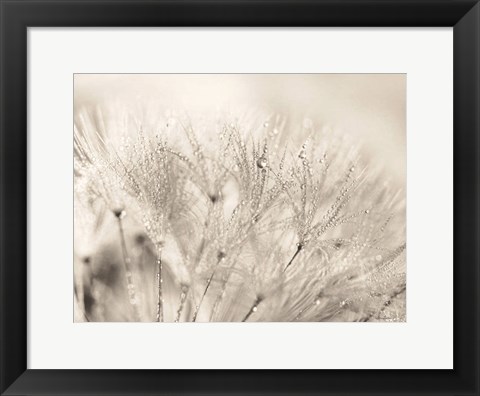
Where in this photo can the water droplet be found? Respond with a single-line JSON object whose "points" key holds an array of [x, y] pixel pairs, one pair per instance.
{"points": [[352, 169], [367, 211], [266, 124], [262, 162], [317, 301], [254, 309]]}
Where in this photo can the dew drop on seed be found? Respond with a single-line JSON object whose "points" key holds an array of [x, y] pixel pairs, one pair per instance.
{"points": [[262, 162]]}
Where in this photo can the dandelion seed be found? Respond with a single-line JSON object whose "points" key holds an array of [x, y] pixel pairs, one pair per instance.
{"points": [[119, 213]]}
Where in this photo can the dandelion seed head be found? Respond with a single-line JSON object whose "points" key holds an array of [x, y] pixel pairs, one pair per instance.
{"points": [[262, 206]]}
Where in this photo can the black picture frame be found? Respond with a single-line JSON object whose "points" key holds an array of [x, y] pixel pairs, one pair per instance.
{"points": [[18, 15]]}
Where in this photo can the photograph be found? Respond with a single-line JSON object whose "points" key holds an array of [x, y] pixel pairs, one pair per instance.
{"points": [[239, 198]]}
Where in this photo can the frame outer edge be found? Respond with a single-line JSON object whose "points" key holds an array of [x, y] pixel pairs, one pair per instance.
{"points": [[13, 196], [13, 222], [467, 199]]}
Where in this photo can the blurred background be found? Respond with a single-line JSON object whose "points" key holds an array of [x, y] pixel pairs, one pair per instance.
{"points": [[369, 107]]}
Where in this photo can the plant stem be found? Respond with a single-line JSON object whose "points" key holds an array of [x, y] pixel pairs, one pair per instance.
{"points": [[209, 281], [183, 297], [299, 248], [159, 317], [128, 271], [253, 309]]}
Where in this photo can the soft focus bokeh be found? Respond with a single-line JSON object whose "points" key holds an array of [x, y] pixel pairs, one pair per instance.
{"points": [[370, 107], [238, 197]]}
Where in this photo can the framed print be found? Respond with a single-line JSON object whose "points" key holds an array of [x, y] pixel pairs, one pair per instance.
{"points": [[239, 197]]}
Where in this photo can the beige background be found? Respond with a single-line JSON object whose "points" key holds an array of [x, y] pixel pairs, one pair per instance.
{"points": [[370, 107]]}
